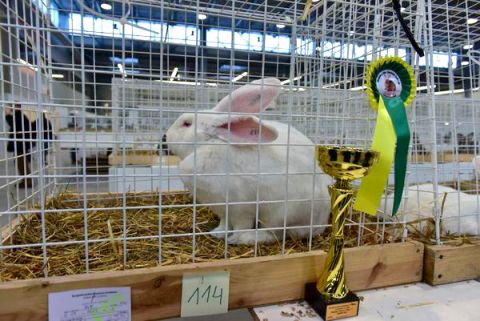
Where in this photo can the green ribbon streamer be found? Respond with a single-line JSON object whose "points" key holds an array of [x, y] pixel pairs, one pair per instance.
{"points": [[398, 115]]}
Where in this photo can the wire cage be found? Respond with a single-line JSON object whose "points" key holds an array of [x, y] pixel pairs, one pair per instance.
{"points": [[101, 83]]}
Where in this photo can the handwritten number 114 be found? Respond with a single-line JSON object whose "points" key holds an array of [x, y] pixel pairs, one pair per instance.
{"points": [[207, 295]]}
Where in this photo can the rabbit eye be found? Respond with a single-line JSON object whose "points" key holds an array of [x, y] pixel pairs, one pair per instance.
{"points": [[187, 123]]}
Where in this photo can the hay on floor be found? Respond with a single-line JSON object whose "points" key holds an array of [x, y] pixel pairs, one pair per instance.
{"points": [[105, 230]]}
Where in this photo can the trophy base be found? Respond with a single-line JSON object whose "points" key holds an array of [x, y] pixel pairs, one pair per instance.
{"points": [[331, 309]]}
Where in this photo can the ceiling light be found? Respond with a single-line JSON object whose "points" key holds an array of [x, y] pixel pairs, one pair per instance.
{"points": [[446, 92], [174, 73], [280, 25], [288, 80], [122, 70], [402, 9], [188, 83], [472, 21], [234, 68], [358, 88], [426, 87], [106, 6], [315, 1], [447, 123], [456, 91], [126, 60], [243, 74], [57, 76], [29, 65], [468, 47], [202, 16], [465, 63]]}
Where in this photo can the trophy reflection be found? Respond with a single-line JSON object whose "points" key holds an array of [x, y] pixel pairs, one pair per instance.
{"points": [[330, 296]]}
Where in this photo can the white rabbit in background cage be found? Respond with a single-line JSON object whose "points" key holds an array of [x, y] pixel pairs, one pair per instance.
{"points": [[240, 153], [476, 166], [460, 211]]}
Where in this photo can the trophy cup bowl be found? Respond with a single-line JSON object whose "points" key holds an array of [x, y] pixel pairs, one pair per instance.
{"points": [[345, 163], [330, 296]]}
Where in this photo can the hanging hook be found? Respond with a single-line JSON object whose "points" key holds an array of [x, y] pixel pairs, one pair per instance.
{"points": [[398, 10]]}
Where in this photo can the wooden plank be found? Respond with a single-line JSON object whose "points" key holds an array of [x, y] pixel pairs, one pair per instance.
{"points": [[449, 263], [442, 157], [156, 292], [142, 159], [146, 160]]}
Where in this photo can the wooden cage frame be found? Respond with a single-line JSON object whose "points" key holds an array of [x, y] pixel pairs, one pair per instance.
{"points": [[156, 292], [451, 263]]}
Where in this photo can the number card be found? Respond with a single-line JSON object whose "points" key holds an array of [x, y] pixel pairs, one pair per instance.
{"points": [[205, 293], [100, 304]]}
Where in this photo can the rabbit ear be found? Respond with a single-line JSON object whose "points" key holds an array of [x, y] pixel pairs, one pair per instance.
{"points": [[251, 98], [245, 129]]}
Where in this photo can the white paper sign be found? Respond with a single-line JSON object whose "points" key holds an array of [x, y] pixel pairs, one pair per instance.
{"points": [[205, 293], [100, 304]]}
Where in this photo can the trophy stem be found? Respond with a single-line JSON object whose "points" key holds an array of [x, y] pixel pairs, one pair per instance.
{"points": [[330, 296], [332, 281]]}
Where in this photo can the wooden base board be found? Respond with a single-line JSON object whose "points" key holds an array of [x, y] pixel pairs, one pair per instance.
{"points": [[448, 263], [156, 292]]}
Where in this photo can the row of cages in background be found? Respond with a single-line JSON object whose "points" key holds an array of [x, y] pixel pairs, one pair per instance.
{"points": [[116, 152]]}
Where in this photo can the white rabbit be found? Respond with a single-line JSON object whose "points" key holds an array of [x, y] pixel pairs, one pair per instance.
{"points": [[461, 211], [229, 149]]}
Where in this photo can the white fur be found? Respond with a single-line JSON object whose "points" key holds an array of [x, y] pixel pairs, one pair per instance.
{"points": [[226, 159], [460, 211]]}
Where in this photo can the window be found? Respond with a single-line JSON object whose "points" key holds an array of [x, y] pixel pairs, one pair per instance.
{"points": [[219, 38], [305, 46], [353, 51], [280, 44], [222, 38], [440, 60], [179, 34], [182, 34], [54, 15]]}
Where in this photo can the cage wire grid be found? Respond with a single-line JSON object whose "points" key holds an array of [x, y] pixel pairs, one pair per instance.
{"points": [[111, 82]]}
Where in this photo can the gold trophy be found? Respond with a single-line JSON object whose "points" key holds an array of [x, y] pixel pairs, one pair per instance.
{"points": [[330, 296]]}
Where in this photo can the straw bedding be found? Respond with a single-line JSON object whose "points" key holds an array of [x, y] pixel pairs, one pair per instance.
{"points": [[106, 225]]}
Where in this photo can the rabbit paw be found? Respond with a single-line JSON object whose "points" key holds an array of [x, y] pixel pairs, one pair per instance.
{"points": [[219, 232], [249, 237]]}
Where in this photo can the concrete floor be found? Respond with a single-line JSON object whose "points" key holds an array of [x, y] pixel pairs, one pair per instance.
{"points": [[235, 315], [419, 302]]}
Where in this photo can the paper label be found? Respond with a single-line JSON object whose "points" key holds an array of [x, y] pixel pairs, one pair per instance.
{"points": [[205, 293], [100, 304]]}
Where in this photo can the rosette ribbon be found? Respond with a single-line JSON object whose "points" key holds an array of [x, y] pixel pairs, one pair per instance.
{"points": [[391, 88]]}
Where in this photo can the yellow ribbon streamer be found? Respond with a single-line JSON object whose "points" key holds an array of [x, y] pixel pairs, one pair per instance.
{"points": [[373, 185]]}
